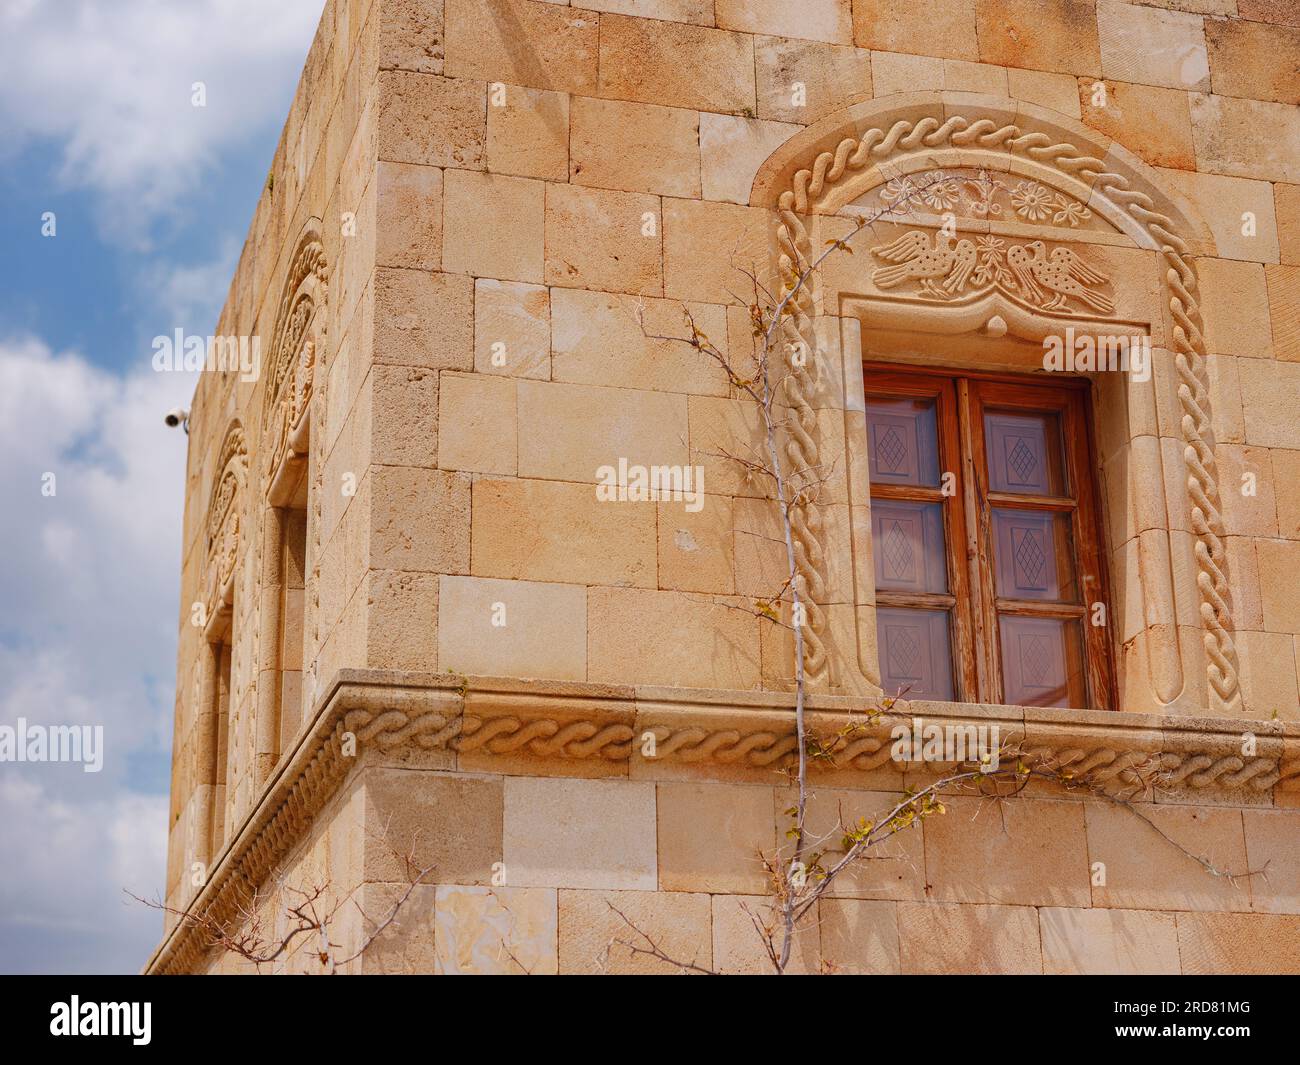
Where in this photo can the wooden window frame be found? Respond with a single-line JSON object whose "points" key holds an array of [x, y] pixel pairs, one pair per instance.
{"points": [[960, 399]]}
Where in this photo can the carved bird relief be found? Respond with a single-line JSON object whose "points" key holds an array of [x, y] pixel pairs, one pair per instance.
{"points": [[919, 261], [1063, 273]]}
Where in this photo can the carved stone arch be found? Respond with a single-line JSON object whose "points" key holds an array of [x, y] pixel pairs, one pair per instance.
{"points": [[295, 370], [224, 526], [824, 169]]}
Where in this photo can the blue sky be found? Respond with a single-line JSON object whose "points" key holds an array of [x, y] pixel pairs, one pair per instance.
{"points": [[152, 197]]}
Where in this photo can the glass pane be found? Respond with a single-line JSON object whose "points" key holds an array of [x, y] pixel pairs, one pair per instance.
{"points": [[1042, 662], [1035, 555], [1024, 453], [907, 544], [915, 656], [903, 441]]}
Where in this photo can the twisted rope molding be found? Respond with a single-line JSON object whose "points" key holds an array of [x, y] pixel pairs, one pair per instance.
{"points": [[1117, 770], [853, 154], [392, 718]]}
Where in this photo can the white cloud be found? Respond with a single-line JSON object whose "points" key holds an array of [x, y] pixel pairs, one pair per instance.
{"points": [[113, 83], [191, 297], [88, 615]]}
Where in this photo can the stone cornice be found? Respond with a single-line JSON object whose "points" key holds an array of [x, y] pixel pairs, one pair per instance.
{"points": [[551, 728]]}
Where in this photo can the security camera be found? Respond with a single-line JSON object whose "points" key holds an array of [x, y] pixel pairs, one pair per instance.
{"points": [[178, 416]]}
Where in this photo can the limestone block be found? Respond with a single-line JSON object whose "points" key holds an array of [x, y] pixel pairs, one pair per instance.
{"points": [[447, 823], [1220, 943], [802, 81], [962, 76], [1224, 204], [493, 226], [1060, 92], [594, 934], [713, 837], [1286, 199], [409, 230], [1268, 403], [423, 319], [721, 428], [672, 638], [695, 550], [543, 634], [1284, 310], [1108, 942], [522, 42], [411, 35], [404, 415], [406, 945], [708, 245], [635, 147], [402, 624], [893, 72], [424, 118], [1286, 470], [494, 930], [697, 11], [567, 432], [528, 132], [1031, 852], [1254, 60], [1234, 304], [554, 531], [1024, 33], [580, 833], [893, 869], [676, 64], [859, 937], [603, 239], [1268, 672], [1154, 122], [1271, 842], [1152, 47], [738, 946], [1243, 471], [930, 27], [419, 520], [1246, 138], [602, 338], [731, 151], [969, 939], [1243, 588], [818, 20], [1143, 871], [477, 430], [1225, 399], [517, 317]]}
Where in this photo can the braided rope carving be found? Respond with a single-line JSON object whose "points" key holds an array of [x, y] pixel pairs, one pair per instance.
{"points": [[854, 154]]}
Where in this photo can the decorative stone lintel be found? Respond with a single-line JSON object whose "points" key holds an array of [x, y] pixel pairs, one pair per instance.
{"points": [[564, 728]]}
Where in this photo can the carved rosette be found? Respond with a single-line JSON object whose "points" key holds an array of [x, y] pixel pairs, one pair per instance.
{"points": [[859, 154]]}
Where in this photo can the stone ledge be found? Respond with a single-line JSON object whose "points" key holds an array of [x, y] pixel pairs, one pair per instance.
{"points": [[570, 728]]}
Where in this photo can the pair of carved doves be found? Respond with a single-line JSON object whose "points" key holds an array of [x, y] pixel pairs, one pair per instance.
{"points": [[944, 270]]}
